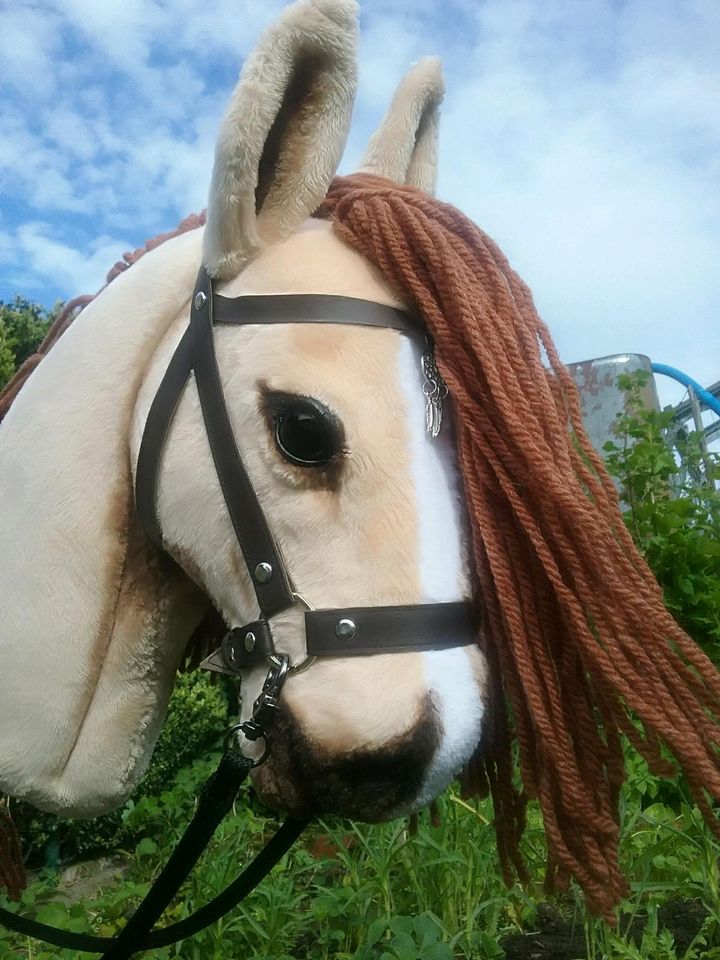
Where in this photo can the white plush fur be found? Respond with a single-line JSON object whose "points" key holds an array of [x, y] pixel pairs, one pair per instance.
{"points": [[404, 148], [284, 132], [89, 631], [454, 678]]}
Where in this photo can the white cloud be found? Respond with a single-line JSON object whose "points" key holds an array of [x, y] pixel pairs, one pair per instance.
{"points": [[36, 253], [29, 43]]}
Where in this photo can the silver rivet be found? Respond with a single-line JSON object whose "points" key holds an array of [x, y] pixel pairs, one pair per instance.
{"points": [[345, 629], [200, 300], [250, 642], [228, 651], [263, 572]]}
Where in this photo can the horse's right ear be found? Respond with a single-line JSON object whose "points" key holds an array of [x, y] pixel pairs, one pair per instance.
{"points": [[284, 132], [404, 148]]}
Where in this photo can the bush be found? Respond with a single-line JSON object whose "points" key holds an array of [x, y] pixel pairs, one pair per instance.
{"points": [[196, 719], [23, 326], [673, 512]]}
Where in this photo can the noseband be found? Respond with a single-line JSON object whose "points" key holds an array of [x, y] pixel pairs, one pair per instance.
{"points": [[329, 632]]}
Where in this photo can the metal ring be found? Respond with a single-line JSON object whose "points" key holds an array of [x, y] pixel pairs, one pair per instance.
{"points": [[293, 669], [231, 743], [308, 661], [301, 600]]}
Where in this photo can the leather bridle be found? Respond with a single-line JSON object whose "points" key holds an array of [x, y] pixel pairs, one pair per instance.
{"points": [[329, 632]]}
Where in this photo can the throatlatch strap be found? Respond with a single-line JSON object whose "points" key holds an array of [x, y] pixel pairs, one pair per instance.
{"points": [[157, 427]]}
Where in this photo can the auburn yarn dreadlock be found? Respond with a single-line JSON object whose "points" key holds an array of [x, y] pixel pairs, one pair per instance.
{"points": [[577, 636]]}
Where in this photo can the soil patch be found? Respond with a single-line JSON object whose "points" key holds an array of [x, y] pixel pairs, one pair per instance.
{"points": [[559, 939]]}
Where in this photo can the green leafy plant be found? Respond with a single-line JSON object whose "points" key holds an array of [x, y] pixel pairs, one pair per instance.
{"points": [[673, 512], [384, 894], [23, 325]]}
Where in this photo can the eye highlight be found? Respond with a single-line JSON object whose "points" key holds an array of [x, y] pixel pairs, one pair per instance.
{"points": [[306, 433]]}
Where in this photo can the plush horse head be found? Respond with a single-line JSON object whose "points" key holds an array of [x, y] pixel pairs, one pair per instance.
{"points": [[365, 506], [95, 620]]}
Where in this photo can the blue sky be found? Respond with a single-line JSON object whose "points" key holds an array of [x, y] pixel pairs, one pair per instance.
{"points": [[584, 135]]}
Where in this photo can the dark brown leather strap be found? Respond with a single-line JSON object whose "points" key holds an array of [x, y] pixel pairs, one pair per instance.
{"points": [[357, 631], [157, 427], [312, 308], [261, 554], [244, 647], [364, 630]]}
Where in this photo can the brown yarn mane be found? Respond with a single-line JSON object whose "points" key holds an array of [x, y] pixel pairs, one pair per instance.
{"points": [[577, 636]]}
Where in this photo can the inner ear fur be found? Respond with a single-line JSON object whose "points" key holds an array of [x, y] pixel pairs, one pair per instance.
{"points": [[283, 133], [404, 148]]}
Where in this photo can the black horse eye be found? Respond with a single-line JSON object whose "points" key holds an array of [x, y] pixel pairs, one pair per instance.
{"points": [[306, 433]]}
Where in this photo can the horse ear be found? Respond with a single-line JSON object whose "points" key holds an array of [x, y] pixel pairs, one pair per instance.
{"points": [[404, 148], [283, 133]]}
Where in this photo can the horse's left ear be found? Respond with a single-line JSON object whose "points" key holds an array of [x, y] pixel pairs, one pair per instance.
{"points": [[404, 148], [283, 134]]}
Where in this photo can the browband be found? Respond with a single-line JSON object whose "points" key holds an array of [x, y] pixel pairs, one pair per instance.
{"points": [[349, 632], [311, 308]]}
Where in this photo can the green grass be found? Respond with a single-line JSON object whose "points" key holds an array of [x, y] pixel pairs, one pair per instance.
{"points": [[388, 895]]}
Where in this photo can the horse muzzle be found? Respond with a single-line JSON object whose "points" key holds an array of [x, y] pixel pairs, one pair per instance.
{"points": [[369, 785]]}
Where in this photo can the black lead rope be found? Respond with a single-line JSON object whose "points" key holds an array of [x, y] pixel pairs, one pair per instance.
{"points": [[215, 802]]}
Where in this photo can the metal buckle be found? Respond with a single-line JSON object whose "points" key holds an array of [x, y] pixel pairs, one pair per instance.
{"points": [[268, 701], [215, 662]]}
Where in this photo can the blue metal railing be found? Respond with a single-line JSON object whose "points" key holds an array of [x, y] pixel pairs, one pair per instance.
{"points": [[703, 395]]}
